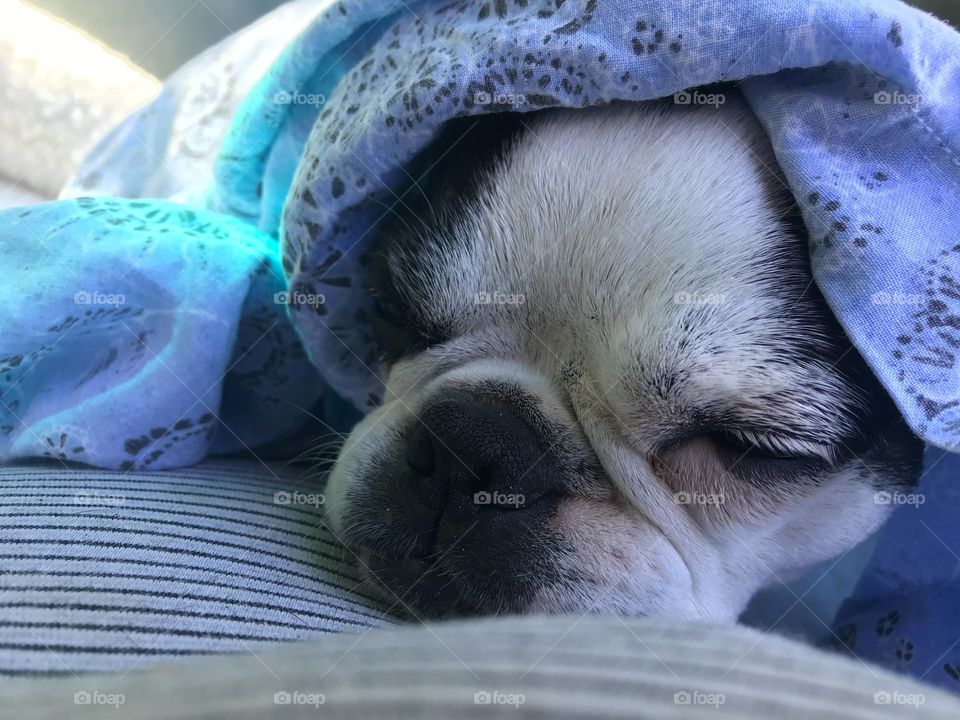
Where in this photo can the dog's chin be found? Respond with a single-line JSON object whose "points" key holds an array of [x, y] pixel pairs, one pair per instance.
{"points": [[431, 589], [460, 569], [414, 588], [571, 555]]}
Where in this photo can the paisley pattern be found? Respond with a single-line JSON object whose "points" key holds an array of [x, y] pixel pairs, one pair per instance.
{"points": [[903, 614], [863, 125], [858, 102], [162, 336], [318, 149]]}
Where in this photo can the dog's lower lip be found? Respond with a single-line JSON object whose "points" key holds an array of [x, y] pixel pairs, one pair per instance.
{"points": [[369, 555], [415, 585], [410, 565]]}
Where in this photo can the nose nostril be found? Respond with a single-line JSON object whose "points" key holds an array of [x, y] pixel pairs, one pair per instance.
{"points": [[420, 451], [484, 478]]}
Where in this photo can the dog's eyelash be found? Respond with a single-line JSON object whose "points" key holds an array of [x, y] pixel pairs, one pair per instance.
{"points": [[398, 329], [788, 447]]}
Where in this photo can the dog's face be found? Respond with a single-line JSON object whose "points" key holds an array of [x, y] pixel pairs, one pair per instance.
{"points": [[611, 383]]}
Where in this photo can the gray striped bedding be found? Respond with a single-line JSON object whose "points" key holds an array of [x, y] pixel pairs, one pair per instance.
{"points": [[110, 571], [552, 668]]}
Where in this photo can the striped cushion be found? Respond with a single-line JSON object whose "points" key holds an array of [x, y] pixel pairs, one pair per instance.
{"points": [[107, 571], [110, 571], [551, 668]]}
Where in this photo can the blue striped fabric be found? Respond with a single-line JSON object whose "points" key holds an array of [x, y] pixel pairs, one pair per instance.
{"points": [[107, 571]]}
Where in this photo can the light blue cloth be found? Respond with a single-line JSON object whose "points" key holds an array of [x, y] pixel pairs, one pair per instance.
{"points": [[865, 128], [129, 327], [859, 99], [903, 614]]}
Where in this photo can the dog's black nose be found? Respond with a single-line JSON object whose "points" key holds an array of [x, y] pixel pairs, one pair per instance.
{"points": [[471, 452]]}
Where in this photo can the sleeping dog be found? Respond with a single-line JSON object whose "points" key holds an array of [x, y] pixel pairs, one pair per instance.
{"points": [[612, 385]]}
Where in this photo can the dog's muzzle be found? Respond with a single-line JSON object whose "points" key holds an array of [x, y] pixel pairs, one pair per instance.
{"points": [[463, 498]]}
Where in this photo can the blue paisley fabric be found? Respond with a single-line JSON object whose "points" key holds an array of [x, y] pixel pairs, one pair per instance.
{"points": [[903, 613], [199, 287], [858, 99]]}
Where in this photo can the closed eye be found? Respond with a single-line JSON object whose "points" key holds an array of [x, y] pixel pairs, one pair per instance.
{"points": [[398, 329], [392, 329], [772, 447]]}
